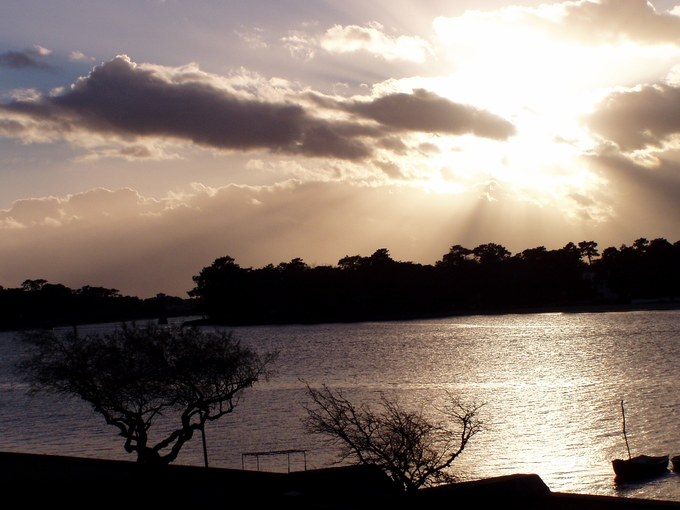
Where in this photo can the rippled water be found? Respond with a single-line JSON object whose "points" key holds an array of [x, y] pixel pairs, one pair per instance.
{"points": [[551, 383]]}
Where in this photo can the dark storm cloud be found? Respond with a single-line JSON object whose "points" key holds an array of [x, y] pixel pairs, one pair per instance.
{"points": [[638, 118], [121, 99], [26, 59], [427, 112], [394, 144]]}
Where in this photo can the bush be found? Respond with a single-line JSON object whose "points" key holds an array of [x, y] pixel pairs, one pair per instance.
{"points": [[414, 450]]}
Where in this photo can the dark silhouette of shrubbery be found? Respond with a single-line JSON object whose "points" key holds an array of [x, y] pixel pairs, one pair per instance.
{"points": [[377, 287], [38, 303], [487, 277]]}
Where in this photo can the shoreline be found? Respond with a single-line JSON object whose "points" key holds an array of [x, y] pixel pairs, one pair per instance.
{"points": [[566, 309], [470, 312]]}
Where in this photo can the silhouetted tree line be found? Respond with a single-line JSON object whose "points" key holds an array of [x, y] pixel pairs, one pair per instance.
{"points": [[487, 277], [377, 287], [38, 303]]}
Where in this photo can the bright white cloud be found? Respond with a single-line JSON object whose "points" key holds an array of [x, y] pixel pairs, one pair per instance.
{"points": [[583, 22], [372, 39], [42, 51], [301, 45], [79, 55]]}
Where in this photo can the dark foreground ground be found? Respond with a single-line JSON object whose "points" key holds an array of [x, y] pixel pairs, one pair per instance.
{"points": [[76, 482]]}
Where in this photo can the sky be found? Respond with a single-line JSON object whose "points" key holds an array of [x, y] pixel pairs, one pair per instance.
{"points": [[142, 139]]}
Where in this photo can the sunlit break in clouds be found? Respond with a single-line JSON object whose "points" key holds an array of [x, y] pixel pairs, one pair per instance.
{"points": [[132, 157]]}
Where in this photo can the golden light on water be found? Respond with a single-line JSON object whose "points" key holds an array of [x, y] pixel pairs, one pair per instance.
{"points": [[551, 384]]}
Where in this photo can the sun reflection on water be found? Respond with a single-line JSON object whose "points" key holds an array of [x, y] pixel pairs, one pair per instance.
{"points": [[551, 384]]}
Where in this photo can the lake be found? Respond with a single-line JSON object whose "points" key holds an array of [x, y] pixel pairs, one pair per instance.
{"points": [[552, 385]]}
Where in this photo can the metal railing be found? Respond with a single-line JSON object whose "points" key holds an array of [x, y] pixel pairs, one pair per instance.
{"points": [[288, 453]]}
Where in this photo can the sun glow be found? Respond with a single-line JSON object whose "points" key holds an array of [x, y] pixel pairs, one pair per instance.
{"points": [[535, 158], [542, 84]]}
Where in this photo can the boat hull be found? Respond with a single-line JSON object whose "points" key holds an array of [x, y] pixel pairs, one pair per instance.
{"points": [[640, 467]]}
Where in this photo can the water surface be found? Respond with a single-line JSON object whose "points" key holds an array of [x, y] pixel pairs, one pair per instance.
{"points": [[551, 384]]}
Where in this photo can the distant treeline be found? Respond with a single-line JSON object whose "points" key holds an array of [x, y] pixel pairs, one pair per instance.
{"points": [[38, 303], [487, 277], [377, 287]]}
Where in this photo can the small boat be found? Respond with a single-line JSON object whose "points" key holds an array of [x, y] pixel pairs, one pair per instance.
{"points": [[640, 467]]}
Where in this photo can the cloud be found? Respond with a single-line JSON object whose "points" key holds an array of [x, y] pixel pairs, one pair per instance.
{"points": [[301, 45], [645, 200], [91, 207], [352, 38], [27, 59], [252, 39], [581, 199], [142, 246], [633, 119], [587, 22], [394, 144], [123, 102], [131, 152], [391, 169], [427, 112], [79, 55], [31, 212], [611, 22]]}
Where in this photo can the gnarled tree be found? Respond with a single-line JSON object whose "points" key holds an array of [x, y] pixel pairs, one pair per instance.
{"points": [[135, 375], [414, 450]]}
